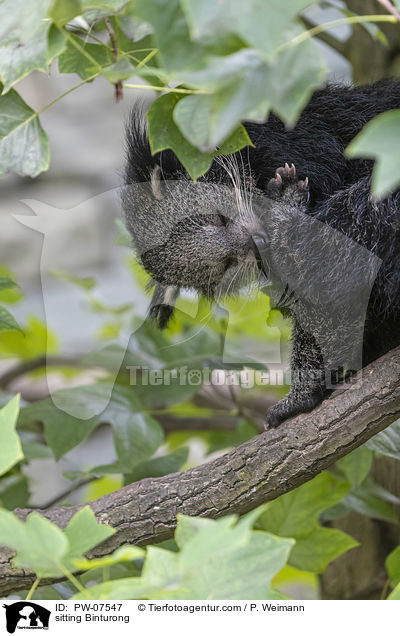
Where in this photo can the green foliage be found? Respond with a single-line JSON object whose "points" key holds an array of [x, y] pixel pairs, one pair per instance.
{"points": [[7, 321], [387, 442], [24, 40], [164, 133], [379, 140], [222, 559], [44, 548], [296, 515], [10, 449]]}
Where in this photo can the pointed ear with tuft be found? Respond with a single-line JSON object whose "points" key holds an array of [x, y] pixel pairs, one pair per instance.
{"points": [[163, 304]]}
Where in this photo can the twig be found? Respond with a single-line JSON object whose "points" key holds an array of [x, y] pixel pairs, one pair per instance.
{"points": [[390, 8], [22, 368]]}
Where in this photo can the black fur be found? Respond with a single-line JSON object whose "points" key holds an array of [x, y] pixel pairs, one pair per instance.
{"points": [[339, 190]]}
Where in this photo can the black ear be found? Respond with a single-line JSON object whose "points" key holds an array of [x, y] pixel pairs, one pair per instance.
{"points": [[163, 304]]}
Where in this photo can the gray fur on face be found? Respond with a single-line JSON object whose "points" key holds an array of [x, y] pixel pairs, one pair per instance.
{"points": [[192, 235]]}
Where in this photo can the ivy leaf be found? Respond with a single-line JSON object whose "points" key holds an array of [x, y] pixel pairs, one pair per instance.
{"points": [[62, 11], [171, 33], [164, 133], [10, 449], [222, 559], [84, 533], [84, 58], [356, 465], [379, 140], [39, 544], [61, 430], [14, 491], [244, 86], [261, 25], [296, 515], [23, 47], [24, 146], [136, 437]]}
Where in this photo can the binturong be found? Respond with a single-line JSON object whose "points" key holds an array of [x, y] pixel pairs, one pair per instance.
{"points": [[292, 216]]}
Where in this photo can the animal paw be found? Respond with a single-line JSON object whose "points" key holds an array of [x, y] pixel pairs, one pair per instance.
{"points": [[286, 185], [289, 407]]}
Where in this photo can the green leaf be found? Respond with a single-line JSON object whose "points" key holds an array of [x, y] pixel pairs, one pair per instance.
{"points": [[392, 564], [10, 448], [86, 282], [84, 533], [244, 86], [62, 11], [23, 47], [296, 515], [158, 466], [373, 501], [171, 33], [39, 544], [379, 140], [8, 322], [56, 42], [262, 25], [35, 340], [6, 283], [387, 442], [24, 146], [136, 437], [222, 559], [14, 491], [10, 292], [121, 555], [356, 465], [319, 548], [120, 70], [103, 6], [33, 447], [61, 430], [84, 58], [164, 133], [395, 595]]}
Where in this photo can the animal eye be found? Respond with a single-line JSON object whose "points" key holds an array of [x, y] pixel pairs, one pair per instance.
{"points": [[230, 261], [222, 220]]}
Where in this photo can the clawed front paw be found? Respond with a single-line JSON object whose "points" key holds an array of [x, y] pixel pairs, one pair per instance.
{"points": [[289, 407], [286, 184]]}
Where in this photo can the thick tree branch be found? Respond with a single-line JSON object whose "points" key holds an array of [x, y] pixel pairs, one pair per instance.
{"points": [[267, 466]]}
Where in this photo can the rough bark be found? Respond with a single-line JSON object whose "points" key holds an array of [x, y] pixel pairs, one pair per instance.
{"points": [[267, 466]]}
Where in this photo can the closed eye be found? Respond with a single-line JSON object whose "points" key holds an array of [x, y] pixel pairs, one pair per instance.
{"points": [[230, 261]]}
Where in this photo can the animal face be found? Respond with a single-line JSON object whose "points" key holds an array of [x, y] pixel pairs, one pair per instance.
{"points": [[193, 235]]}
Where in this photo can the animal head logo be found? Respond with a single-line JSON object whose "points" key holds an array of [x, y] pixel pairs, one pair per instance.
{"points": [[26, 615]]}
